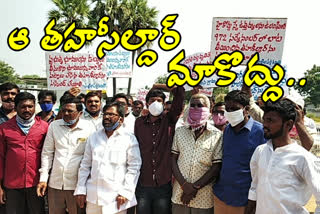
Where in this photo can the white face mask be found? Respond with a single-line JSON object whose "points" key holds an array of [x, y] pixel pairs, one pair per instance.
{"points": [[156, 108], [235, 117]]}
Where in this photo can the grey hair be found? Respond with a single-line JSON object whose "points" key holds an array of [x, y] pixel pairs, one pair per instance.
{"points": [[203, 97]]}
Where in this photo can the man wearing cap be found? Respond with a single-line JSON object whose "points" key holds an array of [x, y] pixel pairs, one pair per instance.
{"points": [[300, 131]]}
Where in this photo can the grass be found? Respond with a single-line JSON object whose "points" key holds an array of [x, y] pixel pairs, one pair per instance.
{"points": [[314, 117]]}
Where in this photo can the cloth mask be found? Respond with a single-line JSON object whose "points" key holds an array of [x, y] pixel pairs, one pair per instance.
{"points": [[198, 117], [46, 107], [235, 117], [219, 119], [71, 122], [156, 108], [113, 127], [25, 125]]}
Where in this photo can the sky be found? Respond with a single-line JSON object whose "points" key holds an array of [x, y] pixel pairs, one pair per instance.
{"points": [[194, 24]]}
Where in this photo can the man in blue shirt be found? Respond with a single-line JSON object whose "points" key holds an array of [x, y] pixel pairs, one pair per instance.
{"points": [[240, 139]]}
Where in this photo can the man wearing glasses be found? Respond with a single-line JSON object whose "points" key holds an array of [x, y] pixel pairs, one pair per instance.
{"points": [[62, 153], [110, 167], [129, 119], [220, 121]]}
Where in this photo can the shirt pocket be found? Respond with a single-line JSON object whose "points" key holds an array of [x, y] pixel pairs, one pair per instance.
{"points": [[80, 145], [205, 155], [118, 156]]}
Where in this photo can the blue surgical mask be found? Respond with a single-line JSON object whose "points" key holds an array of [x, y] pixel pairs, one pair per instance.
{"points": [[46, 107], [108, 129], [70, 123]]}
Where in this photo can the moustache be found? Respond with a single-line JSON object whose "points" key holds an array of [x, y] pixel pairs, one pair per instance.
{"points": [[9, 100], [266, 129]]}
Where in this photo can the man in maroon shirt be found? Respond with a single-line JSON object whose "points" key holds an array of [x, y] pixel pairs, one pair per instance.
{"points": [[155, 134], [21, 141]]}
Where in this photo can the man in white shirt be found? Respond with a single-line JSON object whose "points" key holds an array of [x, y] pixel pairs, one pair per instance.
{"points": [[110, 168], [284, 174], [92, 113], [62, 153], [129, 119]]}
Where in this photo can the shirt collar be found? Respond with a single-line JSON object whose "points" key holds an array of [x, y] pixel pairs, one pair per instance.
{"points": [[119, 131], [148, 120], [270, 145], [87, 114], [210, 127], [249, 124], [52, 116]]}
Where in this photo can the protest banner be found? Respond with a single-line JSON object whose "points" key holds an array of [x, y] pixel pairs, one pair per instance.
{"points": [[199, 58], [142, 93], [119, 63], [66, 70], [255, 90], [206, 91], [249, 35]]}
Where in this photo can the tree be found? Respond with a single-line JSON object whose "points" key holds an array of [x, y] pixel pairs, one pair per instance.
{"points": [[69, 11], [219, 93], [33, 79], [312, 87], [31, 76], [7, 73], [124, 15], [162, 79]]}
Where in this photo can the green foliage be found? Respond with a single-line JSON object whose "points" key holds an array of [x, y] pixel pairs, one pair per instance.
{"points": [[219, 93], [314, 117], [124, 15], [34, 79], [7, 73], [161, 79], [31, 76], [312, 87], [69, 11]]}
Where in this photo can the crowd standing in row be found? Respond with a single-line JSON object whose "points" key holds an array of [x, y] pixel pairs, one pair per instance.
{"points": [[234, 157]]}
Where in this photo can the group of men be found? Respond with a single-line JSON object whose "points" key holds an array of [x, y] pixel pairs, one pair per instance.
{"points": [[89, 159]]}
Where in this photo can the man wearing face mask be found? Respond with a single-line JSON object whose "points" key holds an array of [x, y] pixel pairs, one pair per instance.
{"points": [[92, 113], [8, 91], [196, 160], [220, 121], [21, 141], [109, 171], [155, 133], [47, 99], [240, 139], [62, 153], [129, 119]]}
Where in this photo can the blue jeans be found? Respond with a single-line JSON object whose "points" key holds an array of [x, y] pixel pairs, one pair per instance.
{"points": [[154, 200]]}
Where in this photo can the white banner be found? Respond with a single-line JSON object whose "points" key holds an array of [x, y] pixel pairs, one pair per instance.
{"points": [[249, 35], [199, 58], [119, 63], [255, 90], [142, 93], [66, 70]]}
